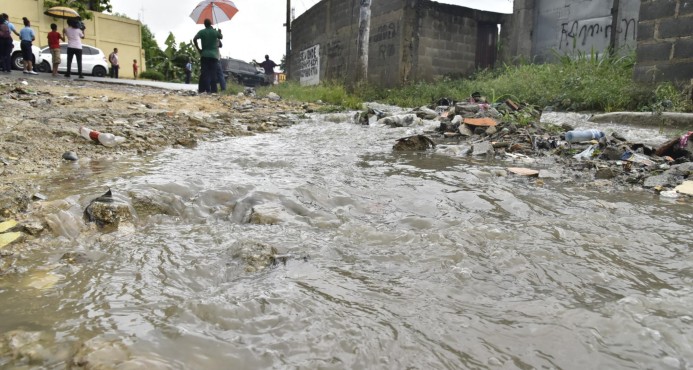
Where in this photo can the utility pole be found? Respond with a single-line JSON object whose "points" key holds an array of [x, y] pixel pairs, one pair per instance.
{"points": [[287, 56], [363, 39], [615, 15]]}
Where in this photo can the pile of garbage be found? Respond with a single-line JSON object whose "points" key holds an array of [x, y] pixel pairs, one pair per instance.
{"points": [[507, 129]]}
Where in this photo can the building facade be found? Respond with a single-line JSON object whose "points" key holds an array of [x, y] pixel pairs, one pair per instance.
{"points": [[665, 42], [408, 40]]}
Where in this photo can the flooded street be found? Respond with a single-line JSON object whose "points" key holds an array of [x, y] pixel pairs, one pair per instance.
{"points": [[424, 260]]}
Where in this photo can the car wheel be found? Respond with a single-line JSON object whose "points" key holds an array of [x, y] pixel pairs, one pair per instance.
{"points": [[99, 71], [17, 61], [44, 67]]}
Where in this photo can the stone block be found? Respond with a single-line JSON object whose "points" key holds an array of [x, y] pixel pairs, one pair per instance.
{"points": [[645, 31], [686, 8], [677, 72], [655, 52], [679, 27], [657, 9], [683, 48]]}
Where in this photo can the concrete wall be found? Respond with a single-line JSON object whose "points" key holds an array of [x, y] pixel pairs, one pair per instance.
{"points": [[665, 41], [410, 40], [545, 27], [447, 39], [103, 31]]}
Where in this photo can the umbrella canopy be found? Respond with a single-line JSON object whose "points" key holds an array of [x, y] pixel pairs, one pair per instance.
{"points": [[215, 10], [62, 12]]}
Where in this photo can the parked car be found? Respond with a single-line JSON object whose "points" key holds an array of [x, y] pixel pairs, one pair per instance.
{"points": [[18, 59], [93, 61], [242, 72]]}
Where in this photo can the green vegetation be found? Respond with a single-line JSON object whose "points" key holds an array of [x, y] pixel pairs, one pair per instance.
{"points": [[585, 83], [152, 75]]}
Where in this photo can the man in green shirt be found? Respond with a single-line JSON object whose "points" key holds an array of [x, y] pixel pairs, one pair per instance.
{"points": [[209, 57]]}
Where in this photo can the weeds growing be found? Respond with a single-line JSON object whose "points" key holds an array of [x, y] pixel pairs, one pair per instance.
{"points": [[588, 82]]}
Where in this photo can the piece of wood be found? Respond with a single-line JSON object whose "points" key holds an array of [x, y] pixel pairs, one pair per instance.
{"points": [[523, 171]]}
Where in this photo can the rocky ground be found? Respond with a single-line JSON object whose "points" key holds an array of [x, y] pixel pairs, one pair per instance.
{"points": [[40, 121]]}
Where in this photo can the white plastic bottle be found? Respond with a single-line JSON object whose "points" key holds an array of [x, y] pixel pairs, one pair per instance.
{"points": [[577, 136], [110, 140], [103, 138]]}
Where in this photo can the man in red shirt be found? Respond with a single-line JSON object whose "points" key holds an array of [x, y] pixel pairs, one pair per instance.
{"points": [[54, 38]]}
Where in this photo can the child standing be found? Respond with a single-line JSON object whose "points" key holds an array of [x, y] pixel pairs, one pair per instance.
{"points": [[134, 68], [54, 38]]}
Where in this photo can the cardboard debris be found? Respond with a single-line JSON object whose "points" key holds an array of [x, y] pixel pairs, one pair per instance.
{"points": [[685, 188], [486, 122], [523, 171], [4, 226], [8, 238]]}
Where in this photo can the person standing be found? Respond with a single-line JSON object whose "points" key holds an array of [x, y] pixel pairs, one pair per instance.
{"points": [[209, 57], [268, 65], [135, 68], [54, 38], [6, 44], [113, 58], [188, 71], [74, 46], [27, 37]]}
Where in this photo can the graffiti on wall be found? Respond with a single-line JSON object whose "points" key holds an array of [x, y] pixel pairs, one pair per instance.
{"points": [[581, 33], [309, 66], [383, 39]]}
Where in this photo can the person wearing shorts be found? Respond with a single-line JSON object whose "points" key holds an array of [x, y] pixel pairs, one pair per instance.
{"points": [[54, 38]]}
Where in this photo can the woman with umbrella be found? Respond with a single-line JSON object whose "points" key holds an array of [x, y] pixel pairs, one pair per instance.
{"points": [[74, 46]]}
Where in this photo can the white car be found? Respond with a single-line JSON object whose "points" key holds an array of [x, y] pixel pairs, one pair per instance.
{"points": [[18, 59], [93, 61]]}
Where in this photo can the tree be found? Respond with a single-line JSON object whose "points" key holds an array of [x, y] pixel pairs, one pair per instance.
{"points": [[83, 7], [150, 47]]}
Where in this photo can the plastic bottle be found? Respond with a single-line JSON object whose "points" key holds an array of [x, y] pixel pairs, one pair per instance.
{"points": [[577, 136], [103, 138], [88, 133]]}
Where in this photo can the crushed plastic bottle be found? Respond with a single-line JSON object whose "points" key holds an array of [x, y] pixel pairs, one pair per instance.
{"points": [[102, 138], [577, 136]]}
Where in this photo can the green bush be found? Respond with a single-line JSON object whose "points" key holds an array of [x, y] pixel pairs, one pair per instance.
{"points": [[152, 75], [585, 82]]}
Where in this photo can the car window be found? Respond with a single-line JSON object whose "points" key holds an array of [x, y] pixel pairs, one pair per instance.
{"points": [[86, 50], [63, 49]]}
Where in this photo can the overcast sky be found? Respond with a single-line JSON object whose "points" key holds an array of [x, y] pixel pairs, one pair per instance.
{"points": [[257, 29]]}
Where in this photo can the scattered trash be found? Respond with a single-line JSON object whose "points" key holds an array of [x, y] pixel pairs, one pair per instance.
{"points": [[103, 138], [577, 136], [587, 153], [685, 188], [514, 131], [7, 225], [486, 122], [637, 158], [8, 238]]}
